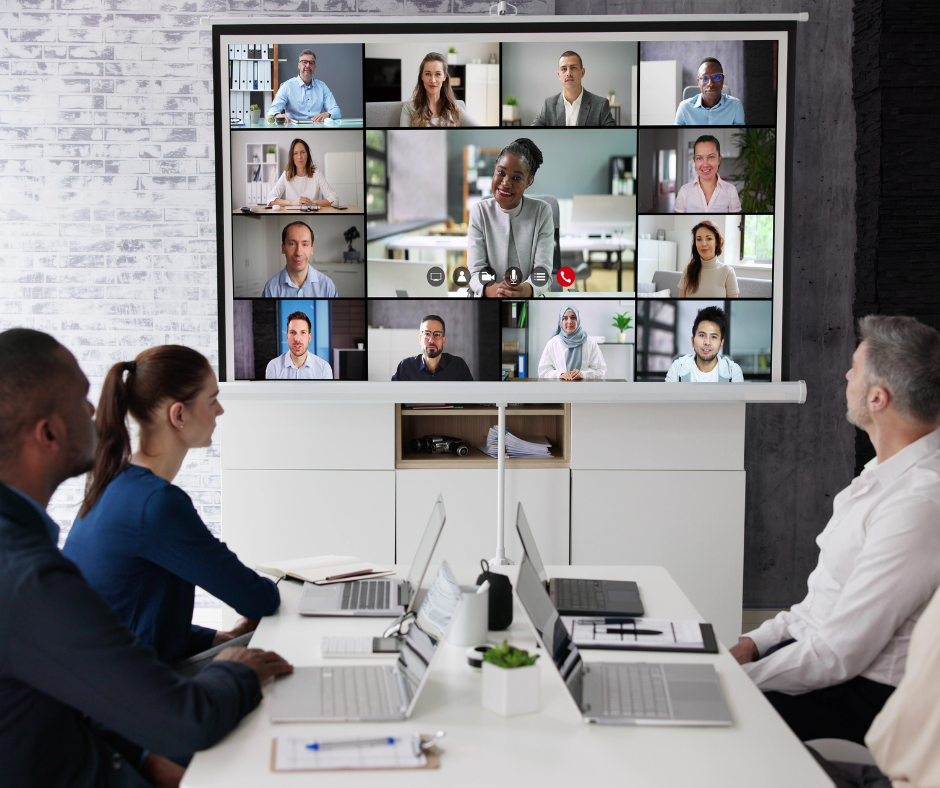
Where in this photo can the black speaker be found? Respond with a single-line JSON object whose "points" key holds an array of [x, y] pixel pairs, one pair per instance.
{"points": [[500, 597]]}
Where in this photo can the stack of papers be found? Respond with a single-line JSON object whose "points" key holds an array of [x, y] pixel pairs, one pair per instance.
{"points": [[531, 448], [323, 569]]}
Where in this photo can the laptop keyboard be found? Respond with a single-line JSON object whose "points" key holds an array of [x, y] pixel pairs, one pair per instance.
{"points": [[633, 691], [366, 595], [572, 594], [351, 692]]}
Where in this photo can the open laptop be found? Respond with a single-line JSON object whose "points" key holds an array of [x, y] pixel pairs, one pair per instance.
{"points": [[383, 597], [575, 596], [364, 693], [621, 693]]}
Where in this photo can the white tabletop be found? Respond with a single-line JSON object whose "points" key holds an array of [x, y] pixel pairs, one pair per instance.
{"points": [[549, 748]]}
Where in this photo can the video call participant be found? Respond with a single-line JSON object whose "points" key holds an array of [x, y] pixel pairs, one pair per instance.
{"points": [[706, 276], [432, 363], [300, 183], [829, 663], [711, 107], [707, 193], [704, 365], [298, 363], [303, 97], [571, 354], [433, 102], [80, 696], [510, 231], [574, 106], [138, 539], [298, 279]]}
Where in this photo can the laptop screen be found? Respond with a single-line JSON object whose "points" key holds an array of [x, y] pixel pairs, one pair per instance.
{"points": [[549, 628], [419, 565], [528, 544]]}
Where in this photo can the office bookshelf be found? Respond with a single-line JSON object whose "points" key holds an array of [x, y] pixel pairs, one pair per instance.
{"points": [[252, 70]]}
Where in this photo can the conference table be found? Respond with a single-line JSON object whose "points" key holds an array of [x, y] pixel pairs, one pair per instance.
{"points": [[548, 748]]}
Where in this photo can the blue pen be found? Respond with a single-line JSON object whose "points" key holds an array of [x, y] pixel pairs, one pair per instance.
{"points": [[326, 745]]}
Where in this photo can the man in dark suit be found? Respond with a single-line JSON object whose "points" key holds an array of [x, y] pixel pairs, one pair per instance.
{"points": [[574, 106], [82, 702]]}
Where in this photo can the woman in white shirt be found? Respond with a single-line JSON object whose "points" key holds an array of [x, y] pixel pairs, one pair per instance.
{"points": [[706, 276], [571, 354], [433, 102], [707, 193], [301, 184]]}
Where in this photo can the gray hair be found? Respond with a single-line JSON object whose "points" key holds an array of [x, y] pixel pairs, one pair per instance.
{"points": [[904, 357], [307, 52]]}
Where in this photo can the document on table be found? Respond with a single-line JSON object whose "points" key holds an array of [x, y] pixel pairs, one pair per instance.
{"points": [[642, 634], [335, 753]]}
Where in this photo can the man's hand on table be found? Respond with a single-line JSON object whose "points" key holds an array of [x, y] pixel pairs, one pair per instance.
{"points": [[265, 664], [745, 651]]}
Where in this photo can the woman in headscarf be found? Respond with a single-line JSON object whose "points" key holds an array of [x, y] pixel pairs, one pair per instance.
{"points": [[571, 354]]}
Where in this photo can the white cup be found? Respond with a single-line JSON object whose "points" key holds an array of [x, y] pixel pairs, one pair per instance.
{"points": [[471, 624]]}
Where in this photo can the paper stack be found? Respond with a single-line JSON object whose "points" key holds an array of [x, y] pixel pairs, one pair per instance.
{"points": [[532, 448]]}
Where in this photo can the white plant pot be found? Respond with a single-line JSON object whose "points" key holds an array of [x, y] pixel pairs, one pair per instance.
{"points": [[451, 58], [510, 112], [361, 345], [255, 115], [612, 99], [270, 158], [510, 691], [622, 337]]}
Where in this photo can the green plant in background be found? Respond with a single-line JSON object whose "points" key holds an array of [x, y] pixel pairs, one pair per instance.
{"points": [[452, 50], [506, 656], [510, 101], [253, 107], [271, 149], [611, 92], [622, 322], [359, 340], [756, 163], [351, 235]]}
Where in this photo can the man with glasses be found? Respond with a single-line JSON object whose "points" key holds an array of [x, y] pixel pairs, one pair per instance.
{"points": [[303, 97], [432, 363], [711, 107]]}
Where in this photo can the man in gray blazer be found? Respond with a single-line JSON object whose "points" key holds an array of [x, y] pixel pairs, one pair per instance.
{"points": [[574, 106]]}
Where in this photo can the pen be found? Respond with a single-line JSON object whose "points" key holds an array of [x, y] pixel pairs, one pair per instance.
{"points": [[328, 745], [608, 620], [620, 631], [360, 573]]}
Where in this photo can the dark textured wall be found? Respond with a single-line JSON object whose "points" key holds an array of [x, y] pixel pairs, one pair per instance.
{"points": [[798, 457]]}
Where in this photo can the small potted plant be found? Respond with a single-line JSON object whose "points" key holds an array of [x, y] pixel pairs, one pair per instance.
{"points": [[612, 96], [271, 156], [510, 680], [351, 235], [451, 56], [255, 112], [360, 342], [622, 323], [510, 108]]}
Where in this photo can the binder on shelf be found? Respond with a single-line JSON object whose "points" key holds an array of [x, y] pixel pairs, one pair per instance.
{"points": [[270, 51], [243, 80], [254, 75], [266, 85], [231, 51], [231, 70], [246, 105]]}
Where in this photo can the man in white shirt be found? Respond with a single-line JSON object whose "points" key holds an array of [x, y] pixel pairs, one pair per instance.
{"points": [[829, 663], [298, 363], [574, 106], [705, 364]]}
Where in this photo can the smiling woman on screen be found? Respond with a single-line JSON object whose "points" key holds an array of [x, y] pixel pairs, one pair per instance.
{"points": [[571, 354], [433, 102], [706, 276], [300, 183], [707, 193]]}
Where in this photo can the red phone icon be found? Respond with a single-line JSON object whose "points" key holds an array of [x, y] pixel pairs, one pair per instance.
{"points": [[566, 276]]}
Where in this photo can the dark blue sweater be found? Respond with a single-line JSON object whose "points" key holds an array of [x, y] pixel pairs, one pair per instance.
{"points": [[144, 548]]}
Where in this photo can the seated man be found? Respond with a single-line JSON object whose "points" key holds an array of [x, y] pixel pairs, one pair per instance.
{"points": [[829, 663], [574, 106], [704, 365], [80, 697], [432, 363], [711, 107], [303, 97], [298, 363], [298, 279]]}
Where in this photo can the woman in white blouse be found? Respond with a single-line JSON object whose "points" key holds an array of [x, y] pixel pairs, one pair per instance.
{"points": [[571, 354], [301, 184], [706, 276], [433, 102], [707, 193]]}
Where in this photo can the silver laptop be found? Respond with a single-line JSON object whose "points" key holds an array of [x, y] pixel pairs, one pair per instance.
{"points": [[621, 693], [380, 597], [576, 596], [354, 693]]}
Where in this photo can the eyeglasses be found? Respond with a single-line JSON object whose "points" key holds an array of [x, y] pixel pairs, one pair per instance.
{"points": [[308, 62], [714, 78], [429, 334]]}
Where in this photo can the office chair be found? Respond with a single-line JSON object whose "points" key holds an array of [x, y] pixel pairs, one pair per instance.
{"points": [[556, 257]]}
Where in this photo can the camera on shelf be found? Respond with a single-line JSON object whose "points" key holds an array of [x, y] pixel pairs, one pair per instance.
{"points": [[439, 444]]}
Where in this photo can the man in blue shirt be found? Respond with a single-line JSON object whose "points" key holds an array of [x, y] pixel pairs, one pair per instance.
{"points": [[297, 279], [303, 97], [432, 363], [711, 107], [298, 363]]}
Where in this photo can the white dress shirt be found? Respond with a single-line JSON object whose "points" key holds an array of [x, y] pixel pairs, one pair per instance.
{"points": [[313, 368], [691, 198], [553, 363], [573, 109], [879, 565], [292, 189]]}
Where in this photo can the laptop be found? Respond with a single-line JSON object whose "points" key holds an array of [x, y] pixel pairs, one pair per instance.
{"points": [[366, 693], [576, 597], [620, 693], [382, 597]]}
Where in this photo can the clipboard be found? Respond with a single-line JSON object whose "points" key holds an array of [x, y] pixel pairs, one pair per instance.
{"points": [[709, 643], [431, 760]]}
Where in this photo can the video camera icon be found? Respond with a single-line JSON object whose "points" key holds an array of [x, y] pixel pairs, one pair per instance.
{"points": [[487, 275]]}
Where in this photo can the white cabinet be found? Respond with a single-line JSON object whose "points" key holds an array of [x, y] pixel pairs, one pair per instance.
{"points": [[654, 256], [660, 92], [482, 96], [343, 171], [261, 171]]}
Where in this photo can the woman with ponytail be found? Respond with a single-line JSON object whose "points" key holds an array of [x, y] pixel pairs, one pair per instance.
{"points": [[706, 276], [139, 540]]}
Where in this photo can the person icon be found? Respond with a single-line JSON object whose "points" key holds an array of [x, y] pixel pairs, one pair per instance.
{"points": [[461, 277]]}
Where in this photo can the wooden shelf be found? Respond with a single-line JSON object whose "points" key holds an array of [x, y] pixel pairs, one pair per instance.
{"points": [[475, 459], [487, 410]]}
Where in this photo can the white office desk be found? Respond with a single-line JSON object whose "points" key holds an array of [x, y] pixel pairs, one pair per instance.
{"points": [[550, 748]]}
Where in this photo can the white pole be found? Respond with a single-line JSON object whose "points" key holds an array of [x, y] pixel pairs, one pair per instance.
{"points": [[500, 559]]}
